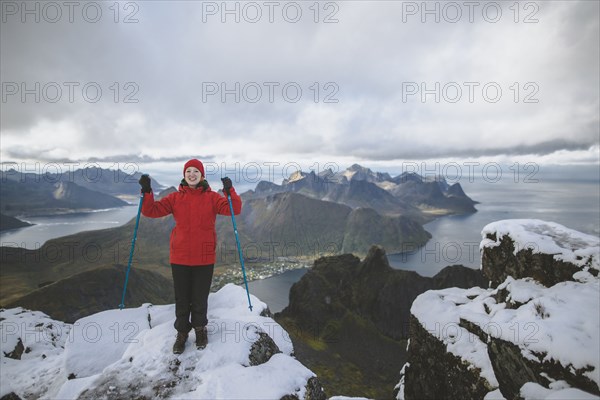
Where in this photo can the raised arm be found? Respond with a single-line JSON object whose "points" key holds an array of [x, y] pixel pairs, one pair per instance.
{"points": [[151, 208], [156, 209]]}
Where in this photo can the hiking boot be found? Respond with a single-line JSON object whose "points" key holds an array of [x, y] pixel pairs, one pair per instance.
{"points": [[179, 344], [201, 337]]}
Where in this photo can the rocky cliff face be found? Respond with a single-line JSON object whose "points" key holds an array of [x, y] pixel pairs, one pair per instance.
{"points": [[358, 311], [533, 335], [371, 288]]}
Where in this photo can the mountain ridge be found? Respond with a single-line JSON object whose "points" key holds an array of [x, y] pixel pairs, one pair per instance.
{"points": [[407, 194], [46, 197], [81, 190], [97, 290]]}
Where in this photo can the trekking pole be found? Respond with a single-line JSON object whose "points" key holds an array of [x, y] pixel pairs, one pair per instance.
{"points": [[237, 239], [137, 222]]}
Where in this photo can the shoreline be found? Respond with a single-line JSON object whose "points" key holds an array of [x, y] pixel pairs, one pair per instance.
{"points": [[231, 274], [61, 212]]}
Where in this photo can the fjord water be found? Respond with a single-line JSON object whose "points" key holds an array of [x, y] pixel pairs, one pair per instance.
{"points": [[54, 226], [455, 239]]}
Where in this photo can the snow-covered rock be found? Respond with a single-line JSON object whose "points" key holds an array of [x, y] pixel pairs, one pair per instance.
{"points": [[521, 339], [127, 354], [546, 251], [39, 368]]}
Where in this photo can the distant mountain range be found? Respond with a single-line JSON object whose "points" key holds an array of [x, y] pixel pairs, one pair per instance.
{"points": [[408, 194], [26, 194], [103, 180], [306, 217]]}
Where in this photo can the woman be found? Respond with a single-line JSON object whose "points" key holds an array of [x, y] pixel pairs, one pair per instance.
{"points": [[193, 243]]}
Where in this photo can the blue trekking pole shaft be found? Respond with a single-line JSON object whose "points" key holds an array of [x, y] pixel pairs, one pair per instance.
{"points": [[237, 240], [137, 223]]}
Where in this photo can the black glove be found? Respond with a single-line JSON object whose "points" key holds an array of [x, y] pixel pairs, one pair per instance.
{"points": [[145, 183], [227, 185]]}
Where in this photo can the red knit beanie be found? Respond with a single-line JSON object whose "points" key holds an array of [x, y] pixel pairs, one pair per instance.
{"points": [[194, 163]]}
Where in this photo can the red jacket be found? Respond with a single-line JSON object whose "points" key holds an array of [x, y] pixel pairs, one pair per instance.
{"points": [[194, 238]]}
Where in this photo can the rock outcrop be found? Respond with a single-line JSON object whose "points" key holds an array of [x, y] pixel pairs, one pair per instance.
{"points": [[369, 288], [358, 312], [533, 335], [545, 251]]}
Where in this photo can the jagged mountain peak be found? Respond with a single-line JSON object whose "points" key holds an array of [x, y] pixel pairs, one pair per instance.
{"points": [[358, 186], [376, 260], [408, 177], [296, 176], [299, 175], [358, 172]]}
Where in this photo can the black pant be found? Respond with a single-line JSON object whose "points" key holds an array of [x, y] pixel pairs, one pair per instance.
{"points": [[192, 285]]}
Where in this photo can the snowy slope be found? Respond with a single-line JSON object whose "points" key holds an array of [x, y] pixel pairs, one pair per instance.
{"points": [[127, 353]]}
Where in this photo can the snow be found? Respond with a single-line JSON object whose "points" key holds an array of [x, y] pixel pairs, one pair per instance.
{"points": [[556, 324], [349, 174], [494, 395], [253, 383], [559, 323], [546, 237], [123, 352], [41, 364], [534, 391], [296, 176], [107, 335], [401, 385], [439, 312], [347, 398]]}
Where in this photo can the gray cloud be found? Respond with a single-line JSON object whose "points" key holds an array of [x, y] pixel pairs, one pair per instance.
{"points": [[537, 149], [18, 154], [365, 61]]}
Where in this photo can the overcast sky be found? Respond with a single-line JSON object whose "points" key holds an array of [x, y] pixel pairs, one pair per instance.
{"points": [[373, 82]]}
